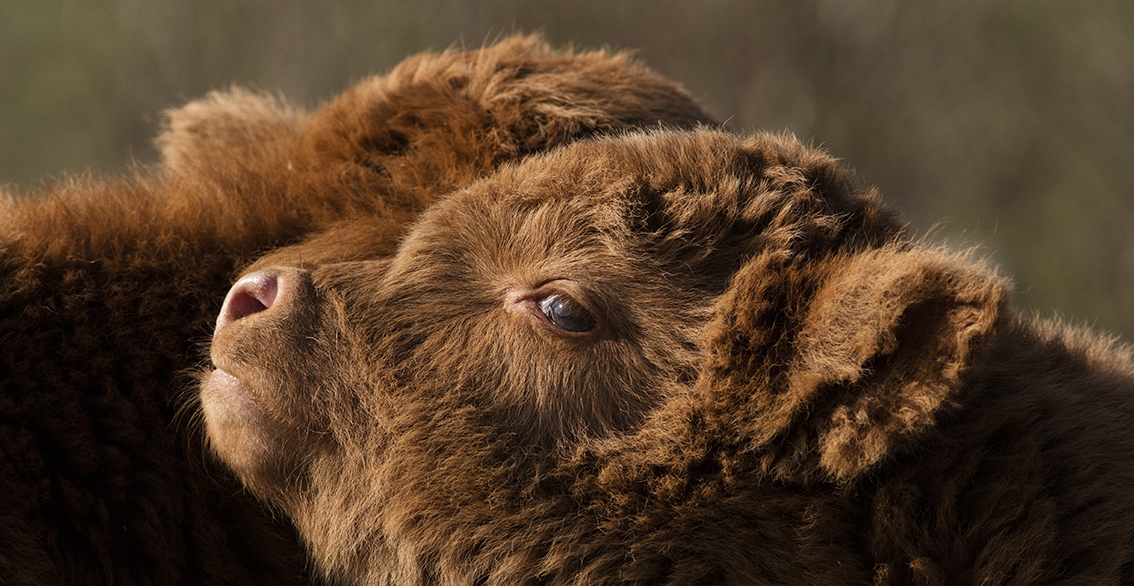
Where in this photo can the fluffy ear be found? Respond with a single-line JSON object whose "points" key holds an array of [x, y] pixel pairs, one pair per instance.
{"points": [[220, 136], [894, 332], [834, 364]]}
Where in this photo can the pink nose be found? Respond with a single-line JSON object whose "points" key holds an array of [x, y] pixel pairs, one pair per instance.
{"points": [[253, 293]]}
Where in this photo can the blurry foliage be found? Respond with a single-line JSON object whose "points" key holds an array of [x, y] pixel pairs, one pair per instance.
{"points": [[1003, 123]]}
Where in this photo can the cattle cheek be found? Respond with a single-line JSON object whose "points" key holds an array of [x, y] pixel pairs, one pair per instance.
{"points": [[257, 401]]}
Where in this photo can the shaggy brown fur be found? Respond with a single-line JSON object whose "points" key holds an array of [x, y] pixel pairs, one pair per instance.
{"points": [[106, 287], [774, 386]]}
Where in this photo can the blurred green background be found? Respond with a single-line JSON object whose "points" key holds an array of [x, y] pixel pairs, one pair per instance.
{"points": [[1002, 123]]}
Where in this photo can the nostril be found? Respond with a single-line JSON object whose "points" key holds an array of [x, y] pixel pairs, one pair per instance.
{"points": [[253, 293]]}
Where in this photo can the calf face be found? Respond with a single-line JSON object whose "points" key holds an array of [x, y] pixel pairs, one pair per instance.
{"points": [[665, 357]]}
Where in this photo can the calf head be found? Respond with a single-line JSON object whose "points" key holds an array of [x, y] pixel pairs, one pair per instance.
{"points": [[570, 363]]}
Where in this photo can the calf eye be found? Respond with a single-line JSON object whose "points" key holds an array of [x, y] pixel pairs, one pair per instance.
{"points": [[566, 313]]}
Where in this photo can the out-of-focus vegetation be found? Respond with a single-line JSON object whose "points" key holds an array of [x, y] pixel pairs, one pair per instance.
{"points": [[1003, 123]]}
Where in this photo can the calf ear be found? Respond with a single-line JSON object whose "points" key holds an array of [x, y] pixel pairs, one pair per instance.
{"points": [[893, 334], [849, 357], [223, 135]]}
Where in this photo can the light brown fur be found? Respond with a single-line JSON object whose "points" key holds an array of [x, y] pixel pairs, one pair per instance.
{"points": [[781, 388], [108, 287]]}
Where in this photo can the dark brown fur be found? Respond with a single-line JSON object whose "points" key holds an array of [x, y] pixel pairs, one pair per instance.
{"points": [[781, 388], [107, 288]]}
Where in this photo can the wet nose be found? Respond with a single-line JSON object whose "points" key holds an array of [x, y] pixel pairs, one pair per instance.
{"points": [[253, 293]]}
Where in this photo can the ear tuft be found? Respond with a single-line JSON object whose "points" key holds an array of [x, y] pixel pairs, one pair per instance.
{"points": [[895, 330], [216, 136], [876, 344]]}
